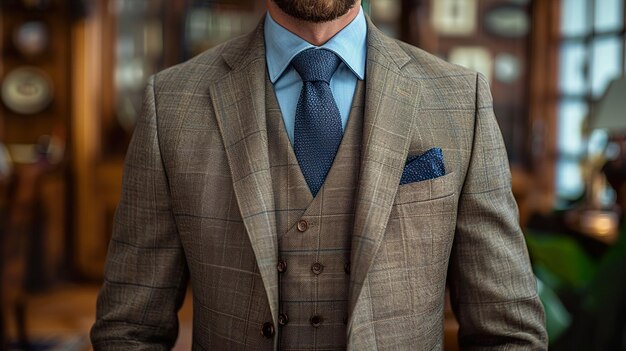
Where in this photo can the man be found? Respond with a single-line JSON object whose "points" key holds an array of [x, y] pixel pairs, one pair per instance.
{"points": [[319, 183]]}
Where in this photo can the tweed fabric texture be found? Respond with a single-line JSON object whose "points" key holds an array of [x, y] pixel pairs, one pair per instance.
{"points": [[198, 204], [304, 291], [317, 129], [422, 167]]}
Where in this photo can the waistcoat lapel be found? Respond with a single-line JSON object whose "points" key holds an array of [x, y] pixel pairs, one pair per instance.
{"points": [[239, 102], [391, 105], [291, 193]]}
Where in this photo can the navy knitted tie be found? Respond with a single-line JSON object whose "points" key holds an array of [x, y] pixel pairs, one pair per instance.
{"points": [[318, 130]]}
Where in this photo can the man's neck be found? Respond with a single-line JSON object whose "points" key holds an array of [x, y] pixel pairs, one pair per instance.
{"points": [[315, 33]]}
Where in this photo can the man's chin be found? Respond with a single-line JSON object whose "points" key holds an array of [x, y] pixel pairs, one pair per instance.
{"points": [[317, 11]]}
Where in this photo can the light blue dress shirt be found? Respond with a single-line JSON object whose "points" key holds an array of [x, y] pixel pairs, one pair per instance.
{"points": [[281, 46]]}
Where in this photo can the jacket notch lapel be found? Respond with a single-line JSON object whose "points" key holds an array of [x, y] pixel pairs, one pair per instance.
{"points": [[239, 103], [391, 106]]}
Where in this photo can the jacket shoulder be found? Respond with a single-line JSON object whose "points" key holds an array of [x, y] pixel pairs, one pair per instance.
{"points": [[444, 85], [207, 66], [431, 66]]}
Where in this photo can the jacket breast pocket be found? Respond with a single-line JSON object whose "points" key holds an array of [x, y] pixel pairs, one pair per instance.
{"points": [[425, 190]]}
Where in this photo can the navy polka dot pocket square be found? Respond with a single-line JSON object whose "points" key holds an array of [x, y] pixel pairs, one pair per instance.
{"points": [[426, 166]]}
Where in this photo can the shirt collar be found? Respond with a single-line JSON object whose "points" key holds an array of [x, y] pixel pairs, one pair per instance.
{"points": [[281, 46]]}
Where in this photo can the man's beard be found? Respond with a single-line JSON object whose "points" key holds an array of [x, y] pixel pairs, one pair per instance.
{"points": [[315, 10]]}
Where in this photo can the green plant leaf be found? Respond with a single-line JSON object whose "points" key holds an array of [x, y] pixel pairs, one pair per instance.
{"points": [[557, 317], [563, 257]]}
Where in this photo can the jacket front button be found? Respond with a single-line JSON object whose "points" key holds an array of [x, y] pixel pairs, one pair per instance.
{"points": [[346, 268], [316, 321], [267, 330], [302, 226], [283, 319], [281, 267], [317, 268]]}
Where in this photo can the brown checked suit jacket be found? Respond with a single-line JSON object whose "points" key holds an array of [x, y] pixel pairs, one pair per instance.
{"points": [[198, 206]]}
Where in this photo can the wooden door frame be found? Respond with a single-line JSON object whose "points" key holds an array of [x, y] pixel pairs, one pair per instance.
{"points": [[543, 118]]}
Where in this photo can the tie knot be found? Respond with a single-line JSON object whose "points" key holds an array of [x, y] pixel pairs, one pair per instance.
{"points": [[316, 65]]}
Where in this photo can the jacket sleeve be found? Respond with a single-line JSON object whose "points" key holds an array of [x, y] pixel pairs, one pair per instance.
{"points": [[493, 289], [145, 275]]}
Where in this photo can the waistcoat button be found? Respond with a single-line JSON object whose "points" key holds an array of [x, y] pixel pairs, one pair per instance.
{"points": [[316, 321], [317, 268], [346, 267], [283, 319], [281, 266], [267, 330], [302, 226]]}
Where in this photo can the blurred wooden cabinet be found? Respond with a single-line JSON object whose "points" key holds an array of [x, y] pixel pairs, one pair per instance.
{"points": [[35, 69], [35, 118], [115, 48]]}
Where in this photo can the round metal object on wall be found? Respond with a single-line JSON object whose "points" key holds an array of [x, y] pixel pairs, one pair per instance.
{"points": [[31, 38], [507, 68], [27, 90]]}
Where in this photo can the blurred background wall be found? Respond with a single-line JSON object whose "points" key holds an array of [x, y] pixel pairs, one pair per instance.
{"points": [[72, 74]]}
